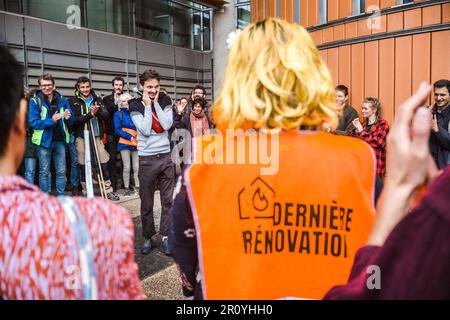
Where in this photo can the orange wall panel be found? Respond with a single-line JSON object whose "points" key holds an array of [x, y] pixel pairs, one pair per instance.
{"points": [[446, 13], [395, 21], [386, 90], [351, 30], [313, 12], [363, 27], [387, 3], [372, 5], [379, 25], [304, 13], [289, 10], [440, 62], [327, 35], [421, 55], [333, 10], [371, 69], [345, 8], [357, 75], [333, 64], [431, 15], [403, 55], [345, 66], [339, 32], [317, 37], [324, 55], [413, 18]]}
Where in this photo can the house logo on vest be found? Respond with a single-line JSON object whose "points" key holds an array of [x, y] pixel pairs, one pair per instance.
{"points": [[256, 201], [273, 222]]}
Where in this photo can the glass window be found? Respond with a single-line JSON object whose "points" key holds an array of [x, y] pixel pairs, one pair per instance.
{"points": [[404, 1], [297, 11], [359, 6], [183, 21], [55, 10], [206, 30], [153, 22], [11, 6], [109, 15], [243, 16], [323, 14]]}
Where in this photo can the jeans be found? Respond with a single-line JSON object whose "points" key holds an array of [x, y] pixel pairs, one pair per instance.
{"points": [[58, 151], [130, 157], [74, 177], [30, 169]]}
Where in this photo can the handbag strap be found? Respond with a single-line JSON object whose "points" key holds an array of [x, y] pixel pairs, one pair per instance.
{"points": [[84, 246]]}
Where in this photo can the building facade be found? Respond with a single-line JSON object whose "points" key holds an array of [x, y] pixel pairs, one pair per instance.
{"points": [[378, 48], [105, 38]]}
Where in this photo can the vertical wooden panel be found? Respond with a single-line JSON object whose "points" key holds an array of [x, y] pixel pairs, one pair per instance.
{"points": [[339, 32], [333, 10], [372, 4], [440, 48], [317, 37], [324, 55], [395, 21], [386, 78], [371, 69], [333, 64], [363, 27], [313, 12], [379, 24], [357, 75], [304, 13], [345, 66], [403, 55], [387, 3], [351, 30], [289, 10], [446, 13], [413, 18], [421, 55], [283, 9], [254, 10], [345, 8], [327, 35], [272, 8], [431, 15]]}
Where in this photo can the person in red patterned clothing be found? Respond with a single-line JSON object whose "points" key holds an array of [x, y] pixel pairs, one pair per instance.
{"points": [[374, 131], [44, 250]]}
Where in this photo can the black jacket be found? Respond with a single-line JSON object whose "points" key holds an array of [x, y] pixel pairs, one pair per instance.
{"points": [[79, 109], [183, 121], [111, 107], [440, 141]]}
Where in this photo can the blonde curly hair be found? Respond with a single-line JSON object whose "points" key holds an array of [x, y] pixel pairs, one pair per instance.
{"points": [[275, 79]]}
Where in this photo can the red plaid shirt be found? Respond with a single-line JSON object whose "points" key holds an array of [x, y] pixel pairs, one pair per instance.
{"points": [[375, 136]]}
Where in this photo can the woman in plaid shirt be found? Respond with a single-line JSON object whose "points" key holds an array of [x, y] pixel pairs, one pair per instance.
{"points": [[374, 131]]}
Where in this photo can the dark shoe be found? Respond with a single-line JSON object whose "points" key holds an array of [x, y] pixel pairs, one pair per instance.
{"points": [[76, 192], [127, 193], [112, 196], [146, 247], [165, 246]]}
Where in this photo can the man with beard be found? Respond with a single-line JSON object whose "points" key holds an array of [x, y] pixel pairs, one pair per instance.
{"points": [[111, 105], [88, 109]]}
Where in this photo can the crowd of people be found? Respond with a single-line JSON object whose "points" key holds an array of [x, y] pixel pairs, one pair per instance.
{"points": [[330, 161]]}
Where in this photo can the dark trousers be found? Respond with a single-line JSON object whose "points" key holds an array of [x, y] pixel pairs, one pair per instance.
{"points": [[111, 148], [151, 169]]}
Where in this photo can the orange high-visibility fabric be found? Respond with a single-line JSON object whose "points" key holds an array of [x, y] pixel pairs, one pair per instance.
{"points": [[128, 142], [291, 234]]}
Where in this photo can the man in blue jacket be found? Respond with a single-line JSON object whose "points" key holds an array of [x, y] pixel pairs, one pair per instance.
{"points": [[50, 117]]}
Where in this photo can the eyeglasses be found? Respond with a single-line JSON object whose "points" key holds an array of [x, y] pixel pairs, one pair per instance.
{"points": [[46, 85]]}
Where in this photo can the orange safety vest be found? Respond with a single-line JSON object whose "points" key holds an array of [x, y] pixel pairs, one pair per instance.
{"points": [[291, 234], [128, 142]]}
